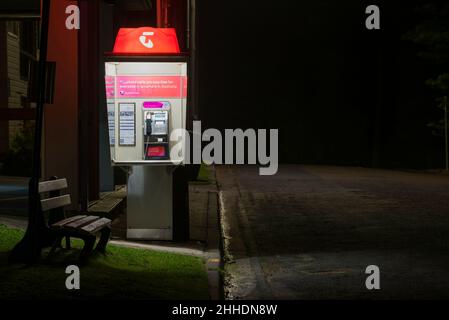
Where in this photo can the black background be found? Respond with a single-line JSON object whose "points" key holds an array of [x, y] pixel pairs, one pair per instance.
{"points": [[337, 92]]}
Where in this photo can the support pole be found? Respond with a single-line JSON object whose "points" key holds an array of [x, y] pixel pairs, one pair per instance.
{"points": [[446, 135], [37, 234]]}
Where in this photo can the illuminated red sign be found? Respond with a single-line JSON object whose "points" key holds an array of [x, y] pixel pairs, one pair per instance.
{"points": [[156, 151], [146, 40]]}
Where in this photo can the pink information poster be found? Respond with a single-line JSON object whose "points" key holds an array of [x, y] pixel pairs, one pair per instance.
{"points": [[110, 90], [174, 87]]}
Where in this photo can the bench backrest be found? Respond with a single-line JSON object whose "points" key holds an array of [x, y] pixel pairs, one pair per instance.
{"points": [[55, 199]]}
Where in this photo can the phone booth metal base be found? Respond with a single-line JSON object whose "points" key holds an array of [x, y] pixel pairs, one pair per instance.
{"points": [[150, 217]]}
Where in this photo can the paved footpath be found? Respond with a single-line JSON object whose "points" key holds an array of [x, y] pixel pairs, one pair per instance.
{"points": [[13, 195], [309, 232]]}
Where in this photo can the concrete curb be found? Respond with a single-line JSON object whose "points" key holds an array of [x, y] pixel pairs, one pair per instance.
{"points": [[159, 248], [224, 239], [214, 261]]}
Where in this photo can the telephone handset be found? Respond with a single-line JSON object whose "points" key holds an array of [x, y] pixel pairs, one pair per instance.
{"points": [[148, 125]]}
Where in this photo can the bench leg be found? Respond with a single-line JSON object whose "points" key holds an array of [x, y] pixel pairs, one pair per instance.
{"points": [[56, 245], [101, 245], [89, 243], [67, 242]]}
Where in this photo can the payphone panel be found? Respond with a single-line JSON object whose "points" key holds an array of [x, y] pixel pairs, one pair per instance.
{"points": [[146, 102]]}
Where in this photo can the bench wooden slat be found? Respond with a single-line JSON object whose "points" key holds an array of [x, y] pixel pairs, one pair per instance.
{"points": [[81, 222], [65, 221], [96, 225], [52, 185], [56, 202]]}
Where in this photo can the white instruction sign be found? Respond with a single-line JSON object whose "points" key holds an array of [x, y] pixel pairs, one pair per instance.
{"points": [[111, 123], [127, 123]]}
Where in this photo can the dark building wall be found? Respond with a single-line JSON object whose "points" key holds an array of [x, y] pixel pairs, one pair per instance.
{"points": [[338, 93], [4, 132]]}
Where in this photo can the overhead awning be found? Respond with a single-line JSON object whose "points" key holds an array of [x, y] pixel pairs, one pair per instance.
{"points": [[20, 9]]}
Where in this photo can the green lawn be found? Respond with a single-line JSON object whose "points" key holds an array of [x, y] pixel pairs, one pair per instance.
{"points": [[122, 273], [205, 175]]}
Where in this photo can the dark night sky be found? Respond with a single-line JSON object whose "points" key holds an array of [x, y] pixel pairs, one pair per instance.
{"points": [[338, 93]]}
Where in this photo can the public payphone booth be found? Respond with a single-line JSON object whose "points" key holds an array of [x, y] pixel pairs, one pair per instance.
{"points": [[146, 91]]}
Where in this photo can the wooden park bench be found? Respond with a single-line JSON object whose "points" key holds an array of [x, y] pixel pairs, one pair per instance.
{"points": [[85, 227]]}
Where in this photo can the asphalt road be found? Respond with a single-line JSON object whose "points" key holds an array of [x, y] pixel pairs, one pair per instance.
{"points": [[309, 232], [13, 195]]}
